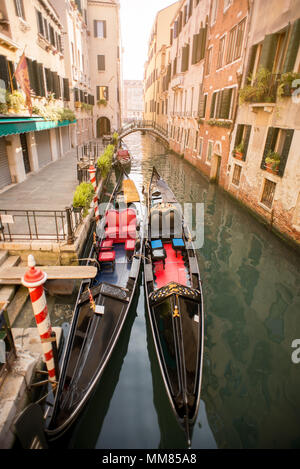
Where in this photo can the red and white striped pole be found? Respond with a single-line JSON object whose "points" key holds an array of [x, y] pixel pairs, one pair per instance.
{"points": [[34, 280], [92, 172]]}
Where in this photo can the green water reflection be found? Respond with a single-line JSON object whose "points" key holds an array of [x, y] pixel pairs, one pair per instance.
{"points": [[251, 282]]}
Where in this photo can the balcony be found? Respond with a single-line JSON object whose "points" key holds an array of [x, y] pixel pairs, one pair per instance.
{"points": [[263, 90]]}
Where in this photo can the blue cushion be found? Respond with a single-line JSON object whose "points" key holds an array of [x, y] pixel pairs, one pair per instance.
{"points": [[156, 244], [178, 242]]}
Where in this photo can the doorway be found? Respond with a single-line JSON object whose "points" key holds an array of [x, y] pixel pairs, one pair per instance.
{"points": [[24, 146], [103, 127]]}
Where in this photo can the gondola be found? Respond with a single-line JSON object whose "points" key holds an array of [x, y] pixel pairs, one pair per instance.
{"points": [[123, 158], [102, 306], [174, 301]]}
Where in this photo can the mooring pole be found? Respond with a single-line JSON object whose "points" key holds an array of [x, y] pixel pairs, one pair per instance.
{"points": [[92, 173], [34, 280]]}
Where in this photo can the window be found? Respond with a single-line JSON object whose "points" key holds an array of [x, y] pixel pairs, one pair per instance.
{"points": [[242, 139], [199, 44], [277, 147], [20, 9], [102, 93], [196, 140], [200, 147], [221, 52], [52, 35], [235, 42], [227, 4], [268, 193], [222, 104], [101, 63], [214, 10], [202, 103], [236, 175], [208, 61], [40, 22], [100, 29], [46, 31], [209, 150]]}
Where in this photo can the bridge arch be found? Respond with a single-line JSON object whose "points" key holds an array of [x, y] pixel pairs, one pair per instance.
{"points": [[144, 126]]}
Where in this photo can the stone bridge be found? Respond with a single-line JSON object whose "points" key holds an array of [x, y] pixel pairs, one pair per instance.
{"points": [[144, 126]]}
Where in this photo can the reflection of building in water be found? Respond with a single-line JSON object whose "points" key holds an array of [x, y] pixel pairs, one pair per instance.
{"points": [[132, 100]]}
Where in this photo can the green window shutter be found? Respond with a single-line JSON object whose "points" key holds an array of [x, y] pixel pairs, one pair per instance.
{"points": [[224, 107], [4, 74], [101, 63], [246, 140], [238, 135], [268, 51], [212, 106], [194, 50], [41, 80], [251, 61], [268, 145], [293, 47], [285, 150], [66, 89]]}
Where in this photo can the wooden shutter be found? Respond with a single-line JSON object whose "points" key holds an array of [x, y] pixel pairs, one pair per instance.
{"points": [[238, 135], [268, 145], [202, 105], [246, 140], [212, 106], [104, 29], [35, 85], [49, 80], [175, 29], [191, 8], [40, 22], [11, 69], [286, 150], [66, 89], [41, 81], [95, 28], [251, 61], [101, 63], [171, 36], [4, 74], [76, 95], [268, 51], [293, 48], [224, 108], [194, 50]]}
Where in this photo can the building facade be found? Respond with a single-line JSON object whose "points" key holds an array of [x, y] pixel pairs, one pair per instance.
{"points": [[105, 60], [231, 83], [37, 32], [133, 104], [73, 16], [158, 60], [265, 175]]}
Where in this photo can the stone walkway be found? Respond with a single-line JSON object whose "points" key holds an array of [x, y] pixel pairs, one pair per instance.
{"points": [[51, 188]]}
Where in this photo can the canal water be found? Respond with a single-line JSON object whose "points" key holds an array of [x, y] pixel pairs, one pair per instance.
{"points": [[251, 388]]}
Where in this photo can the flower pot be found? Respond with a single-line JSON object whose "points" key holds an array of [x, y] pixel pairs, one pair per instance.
{"points": [[239, 155], [269, 168]]}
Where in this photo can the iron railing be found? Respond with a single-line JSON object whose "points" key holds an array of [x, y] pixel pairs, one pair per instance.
{"points": [[40, 225]]}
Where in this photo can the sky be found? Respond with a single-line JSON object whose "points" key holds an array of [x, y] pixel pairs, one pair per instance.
{"points": [[137, 18]]}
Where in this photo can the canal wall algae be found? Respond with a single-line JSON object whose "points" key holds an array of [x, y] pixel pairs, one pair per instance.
{"points": [[250, 388]]}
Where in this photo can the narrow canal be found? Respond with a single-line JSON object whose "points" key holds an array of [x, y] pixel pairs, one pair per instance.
{"points": [[250, 391]]}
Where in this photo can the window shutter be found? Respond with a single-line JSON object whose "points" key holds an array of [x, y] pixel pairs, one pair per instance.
{"points": [[175, 29], [225, 103], [11, 69], [251, 61], [238, 135], [95, 28], [194, 50], [268, 51], [4, 74], [40, 22], [191, 8], [101, 63], [76, 94], [171, 37], [66, 89], [268, 145], [202, 105], [35, 86], [41, 81], [293, 47], [104, 29], [49, 80], [285, 150], [212, 106], [246, 140]]}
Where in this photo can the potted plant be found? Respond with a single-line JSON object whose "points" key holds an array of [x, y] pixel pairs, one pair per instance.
{"points": [[239, 150], [260, 90], [272, 162], [15, 101], [78, 104], [102, 102], [288, 84]]}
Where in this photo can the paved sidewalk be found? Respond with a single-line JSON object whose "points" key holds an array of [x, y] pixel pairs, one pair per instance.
{"points": [[52, 188]]}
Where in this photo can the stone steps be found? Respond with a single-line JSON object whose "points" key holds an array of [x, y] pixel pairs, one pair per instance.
{"points": [[7, 292]]}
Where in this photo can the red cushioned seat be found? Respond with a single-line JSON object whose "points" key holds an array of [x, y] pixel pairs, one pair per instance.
{"points": [[107, 256], [106, 245]]}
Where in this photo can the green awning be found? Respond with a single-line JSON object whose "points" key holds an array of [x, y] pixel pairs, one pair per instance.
{"points": [[11, 126]]}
